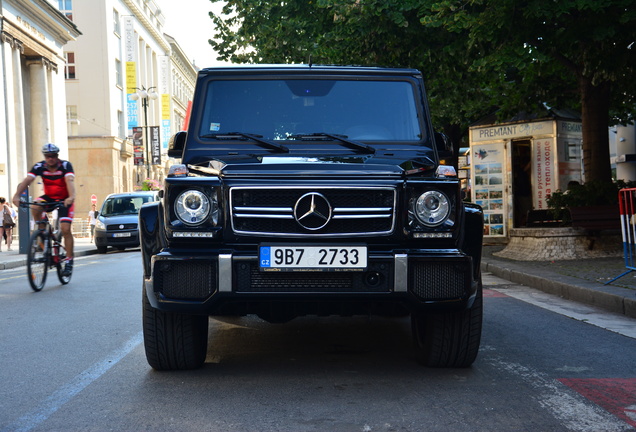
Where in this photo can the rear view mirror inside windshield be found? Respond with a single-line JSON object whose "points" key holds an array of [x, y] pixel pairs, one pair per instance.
{"points": [[303, 88]]}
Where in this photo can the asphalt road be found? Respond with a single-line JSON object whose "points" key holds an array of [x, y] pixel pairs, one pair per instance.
{"points": [[72, 359]]}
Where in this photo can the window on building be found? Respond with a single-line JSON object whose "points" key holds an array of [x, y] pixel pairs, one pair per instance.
{"points": [[72, 122], [69, 67], [116, 23], [66, 7], [121, 133], [118, 73]]}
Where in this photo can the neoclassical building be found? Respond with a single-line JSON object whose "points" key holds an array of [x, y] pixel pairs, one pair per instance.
{"points": [[33, 109], [126, 94]]}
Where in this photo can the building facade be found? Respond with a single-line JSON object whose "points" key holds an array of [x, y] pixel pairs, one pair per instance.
{"points": [[34, 34], [121, 108]]}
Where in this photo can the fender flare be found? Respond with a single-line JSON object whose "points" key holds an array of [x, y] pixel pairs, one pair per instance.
{"points": [[151, 234]]}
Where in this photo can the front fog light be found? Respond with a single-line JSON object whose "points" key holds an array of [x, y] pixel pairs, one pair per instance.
{"points": [[192, 207], [432, 208]]}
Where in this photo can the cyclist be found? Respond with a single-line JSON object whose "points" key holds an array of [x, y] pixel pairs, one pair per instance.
{"points": [[59, 185]]}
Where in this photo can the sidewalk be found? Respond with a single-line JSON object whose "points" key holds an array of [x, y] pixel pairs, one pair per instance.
{"points": [[13, 259], [580, 280]]}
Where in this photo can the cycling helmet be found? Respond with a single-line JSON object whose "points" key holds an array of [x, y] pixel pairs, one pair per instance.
{"points": [[50, 148]]}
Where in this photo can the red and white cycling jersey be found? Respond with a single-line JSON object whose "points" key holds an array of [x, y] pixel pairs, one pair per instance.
{"points": [[54, 181]]}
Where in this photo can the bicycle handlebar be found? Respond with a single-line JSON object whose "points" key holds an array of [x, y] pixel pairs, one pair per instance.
{"points": [[52, 205]]}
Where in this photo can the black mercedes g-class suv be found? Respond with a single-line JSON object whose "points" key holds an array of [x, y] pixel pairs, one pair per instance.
{"points": [[310, 190]]}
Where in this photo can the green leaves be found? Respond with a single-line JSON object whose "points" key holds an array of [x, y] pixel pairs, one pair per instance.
{"points": [[476, 55]]}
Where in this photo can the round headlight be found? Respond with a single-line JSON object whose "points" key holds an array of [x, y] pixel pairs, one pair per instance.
{"points": [[192, 207], [432, 208]]}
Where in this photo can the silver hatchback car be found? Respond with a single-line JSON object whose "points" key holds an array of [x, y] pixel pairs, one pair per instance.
{"points": [[118, 219]]}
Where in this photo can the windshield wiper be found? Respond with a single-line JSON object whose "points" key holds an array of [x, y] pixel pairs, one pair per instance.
{"points": [[254, 137], [355, 145]]}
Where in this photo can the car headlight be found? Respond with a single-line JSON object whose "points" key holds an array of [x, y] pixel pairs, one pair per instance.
{"points": [[100, 225], [432, 208], [193, 207]]}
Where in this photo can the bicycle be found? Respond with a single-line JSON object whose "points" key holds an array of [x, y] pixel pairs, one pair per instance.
{"points": [[45, 248]]}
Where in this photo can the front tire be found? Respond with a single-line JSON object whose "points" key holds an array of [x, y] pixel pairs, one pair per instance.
{"points": [[174, 341], [449, 339], [38, 260]]}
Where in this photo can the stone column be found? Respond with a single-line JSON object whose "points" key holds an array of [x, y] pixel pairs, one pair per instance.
{"points": [[39, 107], [14, 112]]}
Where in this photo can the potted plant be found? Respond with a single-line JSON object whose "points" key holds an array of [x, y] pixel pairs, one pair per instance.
{"points": [[592, 205]]}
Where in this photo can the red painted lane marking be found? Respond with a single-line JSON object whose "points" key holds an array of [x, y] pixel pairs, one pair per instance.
{"points": [[616, 395], [493, 293]]}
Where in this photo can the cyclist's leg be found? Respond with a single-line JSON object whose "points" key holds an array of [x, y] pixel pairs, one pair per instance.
{"points": [[38, 210], [65, 216], [67, 235]]}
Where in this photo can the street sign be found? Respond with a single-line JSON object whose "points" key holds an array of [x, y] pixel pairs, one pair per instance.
{"points": [[93, 199]]}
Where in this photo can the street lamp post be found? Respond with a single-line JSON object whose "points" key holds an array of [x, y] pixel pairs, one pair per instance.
{"points": [[144, 94]]}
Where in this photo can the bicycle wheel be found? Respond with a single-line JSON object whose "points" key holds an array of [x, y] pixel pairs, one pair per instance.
{"points": [[38, 260], [64, 279]]}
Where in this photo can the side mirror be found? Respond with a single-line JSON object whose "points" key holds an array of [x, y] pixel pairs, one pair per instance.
{"points": [[177, 144], [444, 145]]}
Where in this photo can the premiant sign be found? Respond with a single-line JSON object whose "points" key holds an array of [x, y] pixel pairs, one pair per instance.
{"points": [[543, 171], [511, 131]]}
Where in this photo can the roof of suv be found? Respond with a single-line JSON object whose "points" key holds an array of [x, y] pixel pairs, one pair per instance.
{"points": [[305, 68]]}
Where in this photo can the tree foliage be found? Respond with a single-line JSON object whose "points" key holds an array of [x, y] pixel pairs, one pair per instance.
{"points": [[586, 46], [475, 54]]}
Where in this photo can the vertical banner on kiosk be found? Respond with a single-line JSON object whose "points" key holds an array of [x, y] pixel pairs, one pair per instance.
{"points": [[544, 162], [488, 186]]}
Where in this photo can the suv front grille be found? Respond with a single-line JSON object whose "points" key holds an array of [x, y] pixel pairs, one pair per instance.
{"points": [[439, 280], [249, 279], [313, 212]]}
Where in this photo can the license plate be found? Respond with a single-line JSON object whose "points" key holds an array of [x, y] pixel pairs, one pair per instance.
{"points": [[312, 257], [124, 234]]}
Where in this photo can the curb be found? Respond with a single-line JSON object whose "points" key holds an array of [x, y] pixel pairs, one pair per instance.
{"points": [[23, 261], [610, 298]]}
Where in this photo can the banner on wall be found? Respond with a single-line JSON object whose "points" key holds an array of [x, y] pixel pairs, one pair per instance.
{"points": [[138, 145], [130, 41], [155, 145], [543, 161], [488, 186], [164, 91]]}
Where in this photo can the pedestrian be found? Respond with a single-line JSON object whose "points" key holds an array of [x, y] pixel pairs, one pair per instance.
{"points": [[58, 179], [92, 219], [8, 222]]}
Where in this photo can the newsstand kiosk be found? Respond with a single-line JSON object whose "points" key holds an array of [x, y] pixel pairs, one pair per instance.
{"points": [[516, 165]]}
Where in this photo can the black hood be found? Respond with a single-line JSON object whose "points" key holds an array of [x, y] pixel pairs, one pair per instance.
{"points": [[393, 164]]}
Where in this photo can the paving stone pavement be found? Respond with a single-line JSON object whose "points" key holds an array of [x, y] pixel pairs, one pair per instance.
{"points": [[583, 280]]}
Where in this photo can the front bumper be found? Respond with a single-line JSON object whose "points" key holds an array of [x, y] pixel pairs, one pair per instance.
{"points": [[229, 284], [117, 238]]}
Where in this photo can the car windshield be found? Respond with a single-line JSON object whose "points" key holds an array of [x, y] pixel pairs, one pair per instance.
{"points": [[275, 109], [127, 205]]}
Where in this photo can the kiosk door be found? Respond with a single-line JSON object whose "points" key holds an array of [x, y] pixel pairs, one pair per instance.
{"points": [[521, 182]]}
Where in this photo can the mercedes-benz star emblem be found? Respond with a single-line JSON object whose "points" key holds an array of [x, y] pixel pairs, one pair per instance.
{"points": [[312, 211]]}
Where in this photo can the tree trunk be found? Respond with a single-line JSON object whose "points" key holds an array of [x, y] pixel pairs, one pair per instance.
{"points": [[595, 102]]}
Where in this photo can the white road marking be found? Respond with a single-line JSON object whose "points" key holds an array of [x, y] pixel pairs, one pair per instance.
{"points": [[570, 408], [68, 391]]}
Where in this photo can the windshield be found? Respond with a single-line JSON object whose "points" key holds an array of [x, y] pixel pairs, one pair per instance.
{"points": [[366, 110], [128, 205]]}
